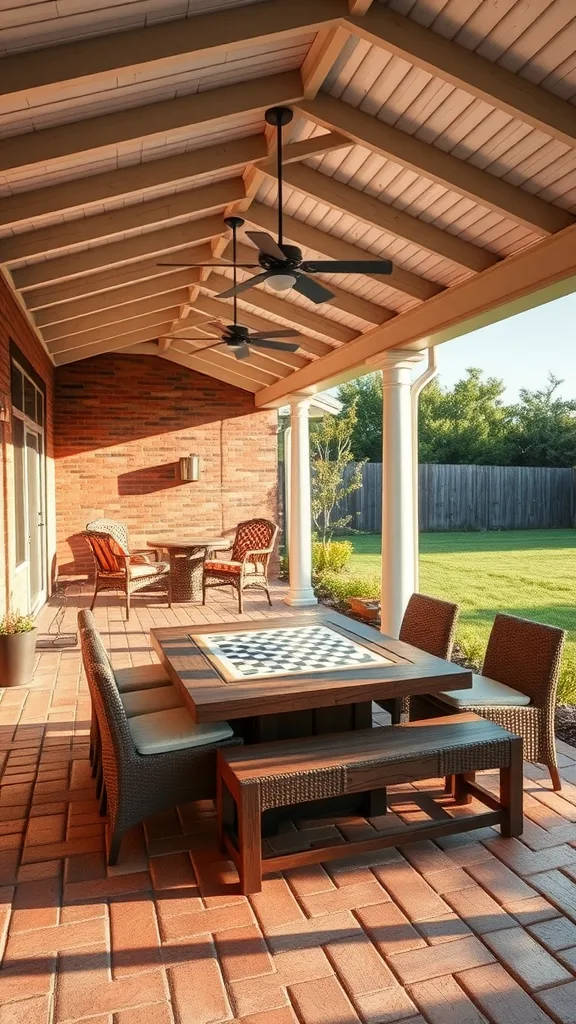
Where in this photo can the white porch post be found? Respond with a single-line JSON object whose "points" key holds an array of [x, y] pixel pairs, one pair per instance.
{"points": [[398, 497], [301, 593]]}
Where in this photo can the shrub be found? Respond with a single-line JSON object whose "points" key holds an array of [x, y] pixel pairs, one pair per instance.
{"points": [[567, 680], [14, 622], [339, 588], [331, 557]]}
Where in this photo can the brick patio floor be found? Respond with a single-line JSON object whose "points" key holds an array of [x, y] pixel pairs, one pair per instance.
{"points": [[472, 928]]}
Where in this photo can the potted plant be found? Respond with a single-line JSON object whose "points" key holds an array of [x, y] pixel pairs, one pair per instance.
{"points": [[17, 649]]}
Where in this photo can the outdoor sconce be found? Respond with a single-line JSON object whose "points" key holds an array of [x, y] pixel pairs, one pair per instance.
{"points": [[189, 468]]}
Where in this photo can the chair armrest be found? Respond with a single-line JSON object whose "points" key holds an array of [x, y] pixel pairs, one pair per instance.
{"points": [[257, 551], [140, 556]]}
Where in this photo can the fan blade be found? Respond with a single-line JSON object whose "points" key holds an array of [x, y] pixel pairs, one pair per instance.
{"points": [[281, 346], [242, 351], [274, 334], [347, 266], [266, 244], [311, 289], [245, 285]]}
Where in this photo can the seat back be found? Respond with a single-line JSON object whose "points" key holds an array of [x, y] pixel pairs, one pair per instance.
{"points": [[108, 542], [117, 747], [526, 656], [430, 624], [254, 535]]}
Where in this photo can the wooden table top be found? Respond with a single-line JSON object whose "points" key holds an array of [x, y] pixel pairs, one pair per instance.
{"points": [[194, 540], [211, 697]]}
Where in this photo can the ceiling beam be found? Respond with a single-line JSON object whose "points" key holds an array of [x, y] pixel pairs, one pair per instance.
{"points": [[110, 280], [277, 362], [466, 70], [165, 241], [536, 274], [105, 302], [135, 49], [325, 50], [217, 358], [93, 133], [236, 378], [139, 323], [224, 310], [388, 218], [115, 315], [432, 162], [289, 311], [359, 7], [100, 227], [335, 248], [99, 348]]}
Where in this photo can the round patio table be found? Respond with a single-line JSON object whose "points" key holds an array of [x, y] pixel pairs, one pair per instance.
{"points": [[186, 556]]}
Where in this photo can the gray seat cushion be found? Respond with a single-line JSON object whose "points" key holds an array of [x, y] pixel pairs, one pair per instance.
{"points": [[485, 691], [174, 730], [146, 702], [141, 677]]}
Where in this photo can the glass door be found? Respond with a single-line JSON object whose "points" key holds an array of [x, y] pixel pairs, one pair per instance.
{"points": [[29, 585], [36, 519]]}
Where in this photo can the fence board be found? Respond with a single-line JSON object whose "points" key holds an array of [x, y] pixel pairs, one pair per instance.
{"points": [[473, 498]]}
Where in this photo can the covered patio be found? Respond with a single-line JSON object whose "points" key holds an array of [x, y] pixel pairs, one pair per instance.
{"points": [[438, 135]]}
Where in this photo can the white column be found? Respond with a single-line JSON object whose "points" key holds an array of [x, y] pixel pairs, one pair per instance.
{"points": [[398, 497], [301, 593]]}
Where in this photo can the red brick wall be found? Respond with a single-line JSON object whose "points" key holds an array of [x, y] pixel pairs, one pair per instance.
{"points": [[15, 327], [121, 424]]}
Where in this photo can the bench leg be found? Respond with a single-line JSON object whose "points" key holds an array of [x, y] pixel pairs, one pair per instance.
{"points": [[461, 796], [249, 839], [225, 811], [511, 792]]}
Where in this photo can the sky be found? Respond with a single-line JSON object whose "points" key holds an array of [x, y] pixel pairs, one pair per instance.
{"points": [[521, 351]]}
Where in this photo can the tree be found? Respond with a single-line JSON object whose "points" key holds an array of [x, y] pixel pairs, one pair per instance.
{"points": [[330, 454], [467, 425], [365, 394], [543, 428]]}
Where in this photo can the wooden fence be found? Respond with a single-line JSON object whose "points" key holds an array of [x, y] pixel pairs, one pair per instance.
{"points": [[474, 498]]}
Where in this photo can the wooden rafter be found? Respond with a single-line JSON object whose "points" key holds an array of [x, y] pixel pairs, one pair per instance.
{"points": [[223, 310], [105, 302], [434, 163], [232, 375], [387, 217], [333, 247], [549, 264], [466, 70], [114, 344], [114, 315], [359, 7], [324, 51], [87, 338]]}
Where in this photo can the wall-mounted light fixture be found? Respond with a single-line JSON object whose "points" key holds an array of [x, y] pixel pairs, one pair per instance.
{"points": [[4, 408], [189, 468]]}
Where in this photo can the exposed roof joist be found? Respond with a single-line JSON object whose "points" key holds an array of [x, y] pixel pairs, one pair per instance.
{"points": [[106, 302], [224, 311], [234, 375], [467, 70], [111, 344], [434, 163], [126, 312]]}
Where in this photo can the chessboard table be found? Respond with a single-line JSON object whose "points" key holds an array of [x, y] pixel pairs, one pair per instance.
{"points": [[299, 675]]}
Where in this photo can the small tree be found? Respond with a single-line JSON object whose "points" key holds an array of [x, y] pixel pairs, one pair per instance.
{"points": [[331, 453]]}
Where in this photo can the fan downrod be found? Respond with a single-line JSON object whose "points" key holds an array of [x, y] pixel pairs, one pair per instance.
{"points": [[278, 116], [234, 222]]}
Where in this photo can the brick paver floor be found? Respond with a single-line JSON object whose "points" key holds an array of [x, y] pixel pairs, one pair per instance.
{"points": [[470, 929]]}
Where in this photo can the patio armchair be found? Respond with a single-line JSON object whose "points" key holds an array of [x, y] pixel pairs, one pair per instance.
{"points": [[118, 568], [430, 625], [517, 688], [150, 762], [248, 562]]}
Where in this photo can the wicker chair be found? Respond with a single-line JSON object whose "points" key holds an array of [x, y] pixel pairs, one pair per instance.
{"points": [[429, 624], [517, 689], [152, 762], [248, 562], [117, 568]]}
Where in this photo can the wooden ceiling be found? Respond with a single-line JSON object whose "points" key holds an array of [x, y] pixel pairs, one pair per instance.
{"points": [[439, 133]]}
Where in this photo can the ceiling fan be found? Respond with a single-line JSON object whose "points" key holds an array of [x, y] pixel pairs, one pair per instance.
{"points": [[237, 338], [282, 264]]}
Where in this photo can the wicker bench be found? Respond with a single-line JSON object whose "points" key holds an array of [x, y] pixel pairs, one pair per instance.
{"points": [[257, 778]]}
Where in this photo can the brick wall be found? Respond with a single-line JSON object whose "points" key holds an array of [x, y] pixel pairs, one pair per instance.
{"points": [[15, 327], [121, 424]]}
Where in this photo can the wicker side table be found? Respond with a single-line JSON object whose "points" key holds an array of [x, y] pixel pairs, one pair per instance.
{"points": [[186, 556]]}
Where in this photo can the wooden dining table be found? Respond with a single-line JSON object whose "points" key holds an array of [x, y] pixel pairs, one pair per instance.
{"points": [[299, 675]]}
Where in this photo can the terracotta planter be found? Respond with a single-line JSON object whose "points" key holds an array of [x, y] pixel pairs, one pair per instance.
{"points": [[17, 654], [367, 608]]}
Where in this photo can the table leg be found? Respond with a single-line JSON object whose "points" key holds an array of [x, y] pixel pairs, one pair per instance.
{"points": [[186, 567]]}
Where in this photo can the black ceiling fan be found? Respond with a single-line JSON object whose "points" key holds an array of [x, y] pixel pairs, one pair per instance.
{"points": [[237, 338], [282, 264]]}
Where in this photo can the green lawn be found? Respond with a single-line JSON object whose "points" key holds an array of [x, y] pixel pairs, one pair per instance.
{"points": [[530, 573]]}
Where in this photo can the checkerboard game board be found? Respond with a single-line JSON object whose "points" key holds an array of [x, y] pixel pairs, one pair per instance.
{"points": [[292, 650]]}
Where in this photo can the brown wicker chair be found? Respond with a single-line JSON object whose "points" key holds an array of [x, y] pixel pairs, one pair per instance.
{"points": [[429, 624], [139, 784], [525, 657], [248, 562], [117, 568]]}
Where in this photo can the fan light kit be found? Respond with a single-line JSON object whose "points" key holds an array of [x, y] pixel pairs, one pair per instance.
{"points": [[281, 264]]}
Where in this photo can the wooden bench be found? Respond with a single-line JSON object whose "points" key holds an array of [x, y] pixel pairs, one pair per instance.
{"points": [[254, 779]]}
